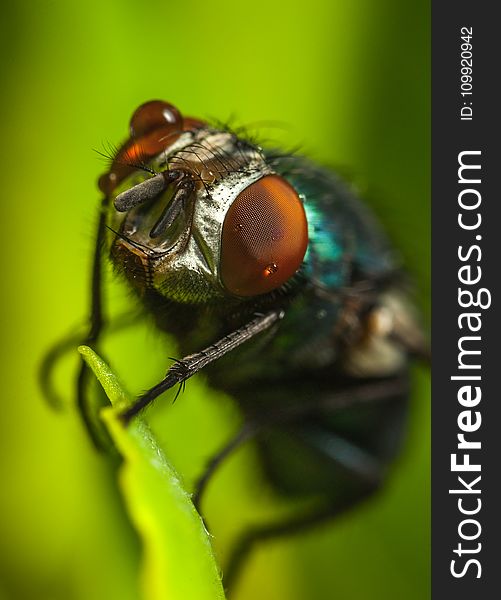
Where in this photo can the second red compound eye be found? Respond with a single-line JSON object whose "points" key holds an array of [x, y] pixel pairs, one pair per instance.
{"points": [[152, 115], [265, 236]]}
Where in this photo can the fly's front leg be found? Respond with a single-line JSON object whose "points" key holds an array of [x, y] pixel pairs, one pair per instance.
{"points": [[96, 322], [188, 366]]}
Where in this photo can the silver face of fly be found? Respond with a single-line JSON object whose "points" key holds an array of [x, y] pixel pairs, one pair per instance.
{"points": [[194, 229]]}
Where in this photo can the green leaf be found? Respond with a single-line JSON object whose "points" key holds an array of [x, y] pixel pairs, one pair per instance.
{"points": [[178, 561]]}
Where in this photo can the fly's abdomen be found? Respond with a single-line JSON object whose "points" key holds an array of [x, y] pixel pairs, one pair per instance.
{"points": [[331, 436]]}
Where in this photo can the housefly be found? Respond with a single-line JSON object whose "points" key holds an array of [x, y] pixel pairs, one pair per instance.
{"points": [[278, 284]]}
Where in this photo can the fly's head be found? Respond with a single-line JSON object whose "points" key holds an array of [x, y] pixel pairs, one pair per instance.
{"points": [[197, 213]]}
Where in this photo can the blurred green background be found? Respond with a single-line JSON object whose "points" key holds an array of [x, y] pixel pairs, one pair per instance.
{"points": [[351, 81]]}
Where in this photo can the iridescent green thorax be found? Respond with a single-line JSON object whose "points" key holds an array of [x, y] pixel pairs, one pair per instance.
{"points": [[345, 241]]}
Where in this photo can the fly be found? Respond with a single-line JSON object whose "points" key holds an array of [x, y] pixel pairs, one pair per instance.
{"points": [[279, 284]]}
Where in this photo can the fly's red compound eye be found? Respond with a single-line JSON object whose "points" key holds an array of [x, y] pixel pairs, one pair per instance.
{"points": [[264, 237], [153, 115], [153, 126]]}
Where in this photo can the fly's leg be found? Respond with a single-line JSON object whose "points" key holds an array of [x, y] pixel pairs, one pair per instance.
{"points": [[71, 341], [359, 464], [65, 346], [368, 393], [246, 433], [293, 526], [87, 410], [366, 470], [303, 422], [49, 361], [187, 367]]}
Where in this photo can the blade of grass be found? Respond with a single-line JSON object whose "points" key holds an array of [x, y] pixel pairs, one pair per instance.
{"points": [[178, 561]]}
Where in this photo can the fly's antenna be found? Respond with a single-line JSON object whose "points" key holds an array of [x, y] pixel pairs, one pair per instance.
{"points": [[146, 190], [174, 208]]}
